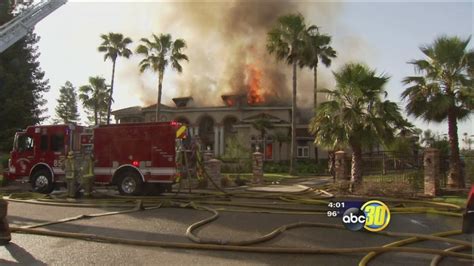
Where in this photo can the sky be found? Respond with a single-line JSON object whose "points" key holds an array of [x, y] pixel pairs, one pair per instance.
{"points": [[384, 35]]}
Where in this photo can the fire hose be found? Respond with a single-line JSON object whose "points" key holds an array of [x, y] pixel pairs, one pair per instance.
{"points": [[244, 245]]}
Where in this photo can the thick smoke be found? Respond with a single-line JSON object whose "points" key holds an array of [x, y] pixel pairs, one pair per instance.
{"points": [[223, 40]]}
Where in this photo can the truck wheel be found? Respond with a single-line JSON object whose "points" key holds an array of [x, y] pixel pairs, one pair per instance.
{"points": [[130, 183], [42, 182]]}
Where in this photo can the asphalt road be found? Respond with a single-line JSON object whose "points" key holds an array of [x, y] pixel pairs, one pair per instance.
{"points": [[169, 224]]}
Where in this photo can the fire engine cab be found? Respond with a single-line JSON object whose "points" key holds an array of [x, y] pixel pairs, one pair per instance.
{"points": [[129, 156]]}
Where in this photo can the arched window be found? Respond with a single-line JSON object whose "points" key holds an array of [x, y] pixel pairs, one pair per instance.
{"points": [[229, 123], [206, 131]]}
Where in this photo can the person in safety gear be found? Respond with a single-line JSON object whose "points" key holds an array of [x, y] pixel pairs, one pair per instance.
{"points": [[179, 161], [5, 235], [196, 158], [87, 174], [71, 171]]}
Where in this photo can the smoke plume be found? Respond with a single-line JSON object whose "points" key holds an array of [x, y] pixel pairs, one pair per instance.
{"points": [[227, 46]]}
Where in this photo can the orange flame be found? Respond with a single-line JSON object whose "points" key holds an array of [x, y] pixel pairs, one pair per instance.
{"points": [[254, 77]]}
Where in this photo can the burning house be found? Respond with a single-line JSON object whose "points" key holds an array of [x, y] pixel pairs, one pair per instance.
{"points": [[235, 117], [233, 80], [251, 98]]}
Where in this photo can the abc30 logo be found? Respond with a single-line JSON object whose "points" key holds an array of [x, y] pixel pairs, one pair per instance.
{"points": [[373, 216]]}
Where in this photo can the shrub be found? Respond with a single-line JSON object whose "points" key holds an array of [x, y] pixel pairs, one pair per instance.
{"points": [[203, 183], [225, 181], [415, 179], [237, 166], [4, 160], [302, 167], [394, 187]]}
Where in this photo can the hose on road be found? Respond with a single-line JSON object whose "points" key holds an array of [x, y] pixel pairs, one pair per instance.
{"points": [[307, 198]]}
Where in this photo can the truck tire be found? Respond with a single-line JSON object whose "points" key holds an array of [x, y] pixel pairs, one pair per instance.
{"points": [[42, 182], [130, 183]]}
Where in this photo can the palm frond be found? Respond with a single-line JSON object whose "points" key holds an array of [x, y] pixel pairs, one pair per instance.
{"points": [[142, 49], [443, 74], [161, 51]]}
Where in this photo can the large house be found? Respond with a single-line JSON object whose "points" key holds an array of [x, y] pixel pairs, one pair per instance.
{"points": [[215, 125]]}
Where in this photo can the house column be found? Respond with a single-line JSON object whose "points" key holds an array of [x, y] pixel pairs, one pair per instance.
{"points": [[216, 141], [431, 172], [196, 130], [221, 142]]}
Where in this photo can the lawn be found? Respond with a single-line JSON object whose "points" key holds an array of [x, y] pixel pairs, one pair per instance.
{"points": [[457, 200]]}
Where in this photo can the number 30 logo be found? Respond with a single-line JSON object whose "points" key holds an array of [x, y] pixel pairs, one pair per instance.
{"points": [[377, 215]]}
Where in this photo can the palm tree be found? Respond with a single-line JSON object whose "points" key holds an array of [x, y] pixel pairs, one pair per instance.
{"points": [[286, 41], [159, 53], [262, 125], [281, 138], [356, 115], [443, 90], [317, 50], [114, 45], [94, 97]]}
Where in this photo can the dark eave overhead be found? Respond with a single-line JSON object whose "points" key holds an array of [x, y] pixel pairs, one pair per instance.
{"points": [[181, 102]]}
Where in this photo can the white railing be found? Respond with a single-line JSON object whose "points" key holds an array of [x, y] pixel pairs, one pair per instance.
{"points": [[19, 26]]}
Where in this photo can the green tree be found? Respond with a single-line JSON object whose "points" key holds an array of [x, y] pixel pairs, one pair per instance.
{"points": [[317, 49], [428, 138], [236, 148], [442, 144], [443, 90], [237, 151], [114, 45], [262, 125], [160, 52], [22, 84], [286, 40], [401, 146], [66, 110], [94, 97], [281, 138], [356, 115]]}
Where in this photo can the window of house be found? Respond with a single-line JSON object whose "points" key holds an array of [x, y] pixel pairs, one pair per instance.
{"points": [[302, 151], [269, 151]]}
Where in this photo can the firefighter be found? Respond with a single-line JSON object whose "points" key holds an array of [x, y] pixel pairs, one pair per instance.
{"points": [[5, 235], [196, 148], [70, 170], [87, 174], [179, 163]]}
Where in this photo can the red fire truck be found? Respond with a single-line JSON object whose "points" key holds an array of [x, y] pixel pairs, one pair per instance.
{"points": [[127, 155]]}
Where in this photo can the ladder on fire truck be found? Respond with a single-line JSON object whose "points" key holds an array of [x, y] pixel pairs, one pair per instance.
{"points": [[19, 26]]}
